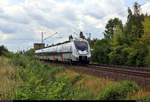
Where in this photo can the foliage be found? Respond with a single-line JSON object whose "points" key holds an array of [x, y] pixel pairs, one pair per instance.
{"points": [[30, 52], [92, 43], [146, 37], [110, 26], [119, 90], [37, 81], [134, 21], [118, 55], [101, 50], [126, 44], [70, 37], [3, 50], [147, 58], [136, 57], [82, 35], [8, 80], [140, 95]]}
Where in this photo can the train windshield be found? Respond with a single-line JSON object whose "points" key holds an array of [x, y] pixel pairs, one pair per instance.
{"points": [[81, 45]]}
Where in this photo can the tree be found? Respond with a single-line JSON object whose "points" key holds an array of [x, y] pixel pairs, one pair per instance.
{"points": [[3, 50], [81, 35], [30, 52], [111, 26], [146, 36], [136, 57], [92, 42], [137, 9], [117, 38], [128, 44], [118, 52], [70, 37], [147, 58], [101, 51], [135, 20], [146, 40], [129, 21]]}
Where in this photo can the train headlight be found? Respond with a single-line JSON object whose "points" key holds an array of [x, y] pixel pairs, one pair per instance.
{"points": [[83, 52]]}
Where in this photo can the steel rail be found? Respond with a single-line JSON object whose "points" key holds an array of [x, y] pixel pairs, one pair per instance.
{"points": [[124, 67], [132, 71], [121, 71]]}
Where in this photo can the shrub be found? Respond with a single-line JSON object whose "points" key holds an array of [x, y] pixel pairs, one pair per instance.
{"points": [[3, 50], [119, 90], [38, 80], [147, 58], [101, 51]]}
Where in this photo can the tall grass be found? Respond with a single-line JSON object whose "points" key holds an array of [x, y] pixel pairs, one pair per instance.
{"points": [[119, 90], [37, 81], [32, 80], [7, 79]]}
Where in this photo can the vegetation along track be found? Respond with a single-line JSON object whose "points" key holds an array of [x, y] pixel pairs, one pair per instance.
{"points": [[140, 76]]}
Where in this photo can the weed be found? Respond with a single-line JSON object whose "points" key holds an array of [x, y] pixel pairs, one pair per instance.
{"points": [[119, 90]]}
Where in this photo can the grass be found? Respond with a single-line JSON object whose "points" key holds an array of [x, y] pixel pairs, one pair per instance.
{"points": [[96, 86], [142, 94], [7, 79], [21, 78]]}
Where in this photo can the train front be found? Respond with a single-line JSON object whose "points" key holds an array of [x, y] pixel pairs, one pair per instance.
{"points": [[82, 51]]}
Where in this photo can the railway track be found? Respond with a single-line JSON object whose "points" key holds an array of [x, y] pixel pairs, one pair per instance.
{"points": [[124, 67], [139, 75], [124, 70]]}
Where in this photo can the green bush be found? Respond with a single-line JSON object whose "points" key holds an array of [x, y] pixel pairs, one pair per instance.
{"points": [[119, 90], [147, 58], [101, 51], [3, 50], [36, 85], [38, 81]]}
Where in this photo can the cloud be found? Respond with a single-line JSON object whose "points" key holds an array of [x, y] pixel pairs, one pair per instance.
{"points": [[146, 8], [21, 21], [4, 37], [102, 8]]}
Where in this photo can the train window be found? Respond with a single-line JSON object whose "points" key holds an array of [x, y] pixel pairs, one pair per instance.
{"points": [[81, 45], [70, 49]]}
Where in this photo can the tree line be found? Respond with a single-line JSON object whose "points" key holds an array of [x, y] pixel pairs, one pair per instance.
{"points": [[127, 44]]}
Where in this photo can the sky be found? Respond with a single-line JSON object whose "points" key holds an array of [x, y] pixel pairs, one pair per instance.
{"points": [[22, 21]]}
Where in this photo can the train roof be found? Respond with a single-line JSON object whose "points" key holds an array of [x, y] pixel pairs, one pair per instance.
{"points": [[58, 44], [75, 39]]}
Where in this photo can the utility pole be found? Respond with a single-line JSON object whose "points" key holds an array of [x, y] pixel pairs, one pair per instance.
{"points": [[90, 36], [42, 37]]}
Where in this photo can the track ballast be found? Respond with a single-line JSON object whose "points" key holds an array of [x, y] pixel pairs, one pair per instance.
{"points": [[139, 75]]}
